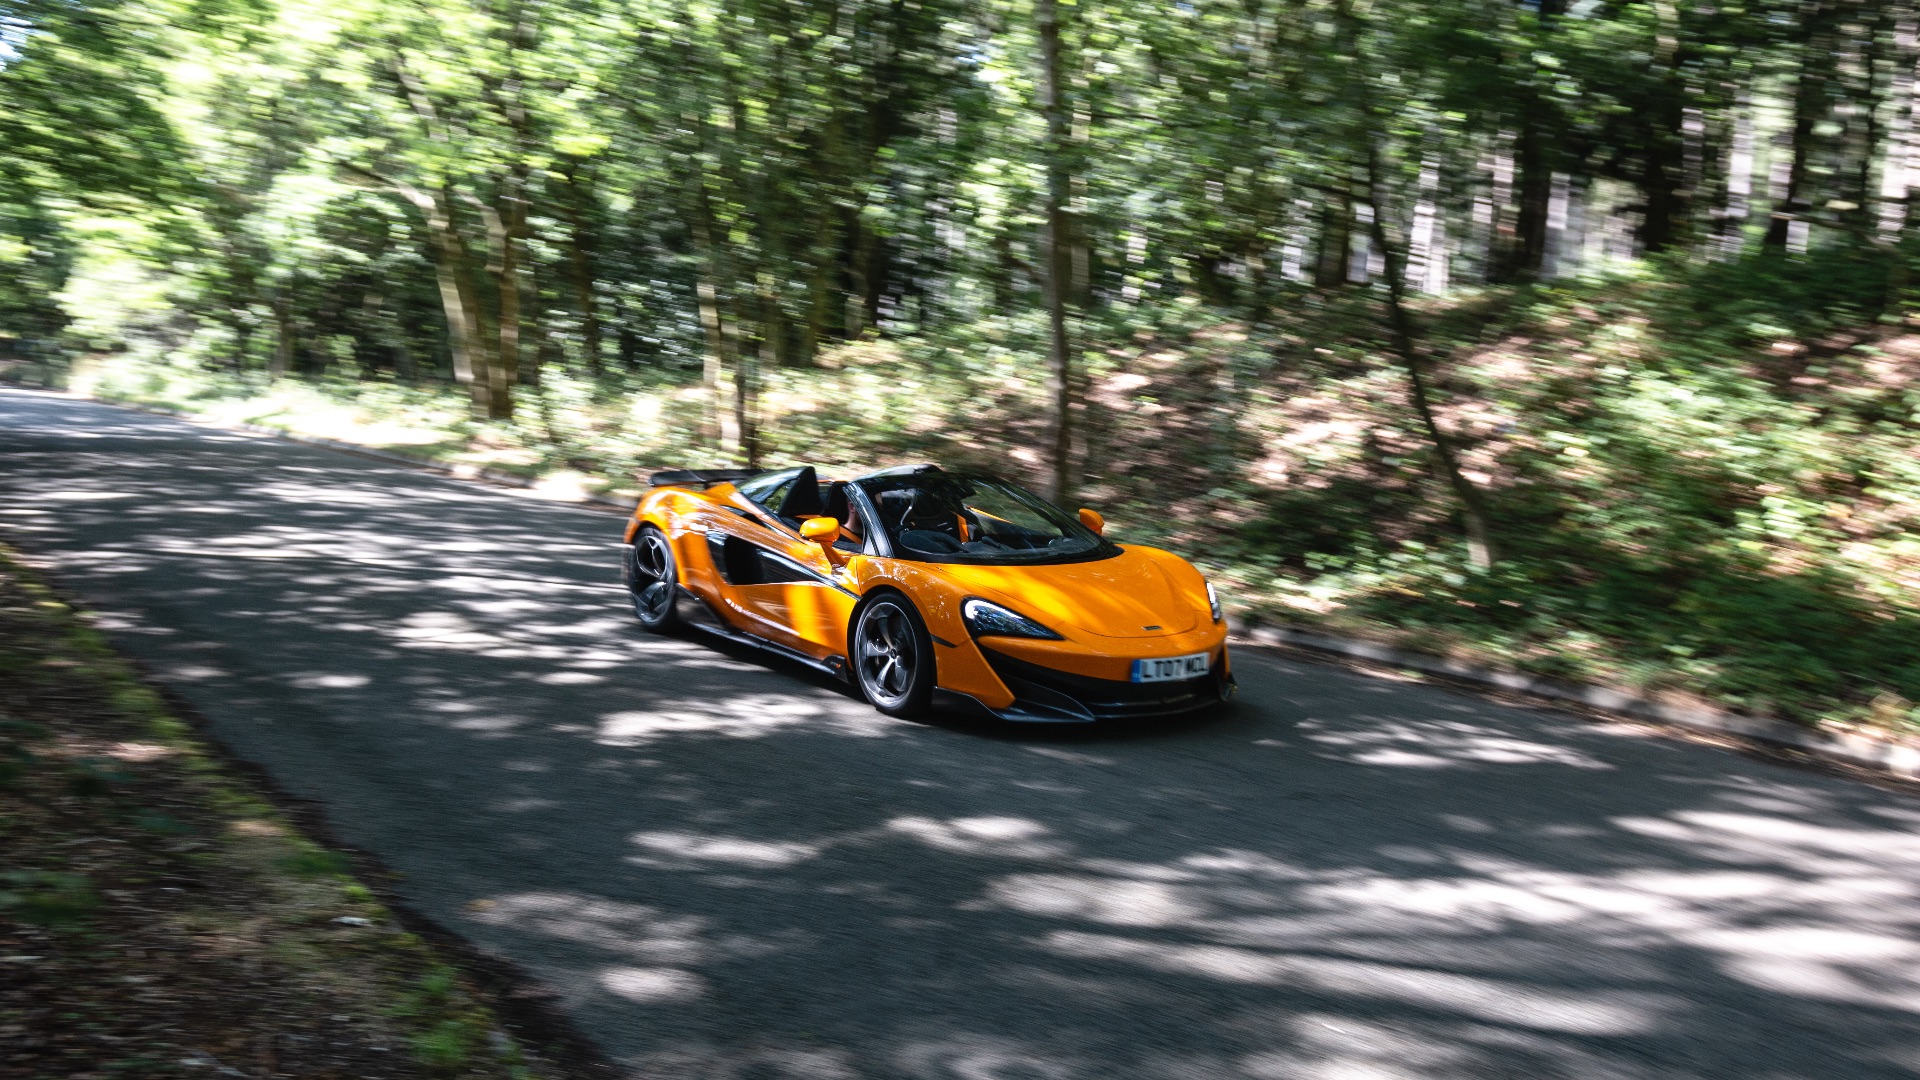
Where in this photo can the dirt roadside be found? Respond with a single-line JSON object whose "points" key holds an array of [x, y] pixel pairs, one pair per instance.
{"points": [[160, 916]]}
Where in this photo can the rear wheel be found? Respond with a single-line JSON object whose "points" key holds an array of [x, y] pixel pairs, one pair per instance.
{"points": [[893, 656], [651, 579]]}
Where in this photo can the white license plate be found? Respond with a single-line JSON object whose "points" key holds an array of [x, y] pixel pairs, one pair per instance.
{"points": [[1171, 668]]}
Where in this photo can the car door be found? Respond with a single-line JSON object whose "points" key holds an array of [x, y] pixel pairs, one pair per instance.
{"points": [[778, 588], [819, 606]]}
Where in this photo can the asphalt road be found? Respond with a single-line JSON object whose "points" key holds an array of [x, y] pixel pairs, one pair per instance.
{"points": [[730, 869]]}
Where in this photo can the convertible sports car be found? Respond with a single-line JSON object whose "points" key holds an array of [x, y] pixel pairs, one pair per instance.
{"points": [[914, 581]]}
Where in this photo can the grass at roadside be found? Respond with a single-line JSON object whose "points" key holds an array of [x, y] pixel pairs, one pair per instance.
{"points": [[159, 917]]}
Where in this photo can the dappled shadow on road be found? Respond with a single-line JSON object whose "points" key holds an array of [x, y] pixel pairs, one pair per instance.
{"points": [[729, 868]]}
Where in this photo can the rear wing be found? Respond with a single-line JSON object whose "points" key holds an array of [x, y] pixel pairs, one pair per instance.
{"points": [[699, 477]]}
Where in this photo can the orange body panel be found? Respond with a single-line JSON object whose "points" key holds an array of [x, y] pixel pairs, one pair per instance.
{"points": [[1141, 604]]}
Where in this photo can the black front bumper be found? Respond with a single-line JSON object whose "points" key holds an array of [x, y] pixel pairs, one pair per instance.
{"points": [[1044, 694]]}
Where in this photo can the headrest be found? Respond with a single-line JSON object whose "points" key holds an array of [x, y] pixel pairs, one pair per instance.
{"points": [[803, 497], [834, 503], [928, 512], [894, 506]]}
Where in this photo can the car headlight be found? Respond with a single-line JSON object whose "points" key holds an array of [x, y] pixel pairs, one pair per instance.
{"points": [[1213, 603], [987, 619]]}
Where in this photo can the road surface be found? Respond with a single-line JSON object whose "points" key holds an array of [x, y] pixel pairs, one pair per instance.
{"points": [[731, 869]]}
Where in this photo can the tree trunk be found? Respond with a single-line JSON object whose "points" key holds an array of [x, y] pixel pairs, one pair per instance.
{"points": [[1534, 191], [1058, 266], [465, 334], [875, 274], [1809, 106], [1336, 241], [626, 345], [581, 269], [1004, 267], [1896, 174], [542, 398], [746, 440], [506, 357], [500, 353], [1428, 247], [534, 365], [1863, 54], [507, 226], [242, 346], [716, 362], [457, 298], [1523, 257], [1501, 235], [281, 361], [818, 301], [1739, 174], [1664, 133], [1473, 509], [1079, 245], [1662, 178], [860, 295]]}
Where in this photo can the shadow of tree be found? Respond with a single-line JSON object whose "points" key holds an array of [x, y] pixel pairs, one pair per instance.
{"points": [[733, 869]]}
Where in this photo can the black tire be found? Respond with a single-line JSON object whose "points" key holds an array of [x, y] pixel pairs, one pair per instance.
{"points": [[651, 579], [1224, 683], [892, 656]]}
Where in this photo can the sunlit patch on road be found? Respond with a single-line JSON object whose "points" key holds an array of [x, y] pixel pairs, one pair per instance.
{"points": [[685, 849], [651, 985], [1439, 744]]}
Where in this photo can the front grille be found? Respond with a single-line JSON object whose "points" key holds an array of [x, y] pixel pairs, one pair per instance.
{"points": [[1041, 689]]}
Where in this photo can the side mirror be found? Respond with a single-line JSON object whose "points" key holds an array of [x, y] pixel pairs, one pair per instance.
{"points": [[1094, 521], [821, 530]]}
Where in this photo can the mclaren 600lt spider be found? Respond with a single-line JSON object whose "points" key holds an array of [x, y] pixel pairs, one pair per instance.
{"points": [[915, 582]]}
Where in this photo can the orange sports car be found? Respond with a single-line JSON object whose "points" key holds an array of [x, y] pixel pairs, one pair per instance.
{"points": [[916, 582]]}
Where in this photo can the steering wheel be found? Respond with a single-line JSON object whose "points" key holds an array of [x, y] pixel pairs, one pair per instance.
{"points": [[929, 541]]}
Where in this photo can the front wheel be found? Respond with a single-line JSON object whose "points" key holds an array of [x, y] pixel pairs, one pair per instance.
{"points": [[1224, 683], [893, 656], [651, 579]]}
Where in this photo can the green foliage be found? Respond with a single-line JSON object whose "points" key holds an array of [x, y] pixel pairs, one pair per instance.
{"points": [[448, 1045], [162, 824], [315, 862], [47, 898], [16, 740], [92, 778], [447, 1034], [1716, 311], [1703, 485]]}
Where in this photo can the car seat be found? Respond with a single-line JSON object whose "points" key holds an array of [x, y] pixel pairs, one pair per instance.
{"points": [[803, 498], [835, 504], [931, 527]]}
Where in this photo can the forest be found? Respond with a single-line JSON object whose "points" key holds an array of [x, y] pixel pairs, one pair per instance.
{"points": [[1572, 335]]}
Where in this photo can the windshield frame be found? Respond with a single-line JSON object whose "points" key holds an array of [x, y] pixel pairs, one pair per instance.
{"points": [[880, 536]]}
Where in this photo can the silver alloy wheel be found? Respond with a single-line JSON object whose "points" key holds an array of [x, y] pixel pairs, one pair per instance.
{"points": [[885, 653], [652, 582]]}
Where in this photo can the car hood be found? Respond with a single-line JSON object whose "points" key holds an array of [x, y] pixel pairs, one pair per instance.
{"points": [[1128, 596]]}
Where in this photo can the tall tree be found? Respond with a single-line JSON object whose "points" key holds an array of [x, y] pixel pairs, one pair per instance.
{"points": [[1813, 59], [1371, 129], [1058, 269]]}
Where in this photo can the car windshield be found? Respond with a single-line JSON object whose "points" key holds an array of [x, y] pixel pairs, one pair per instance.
{"points": [[941, 517]]}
